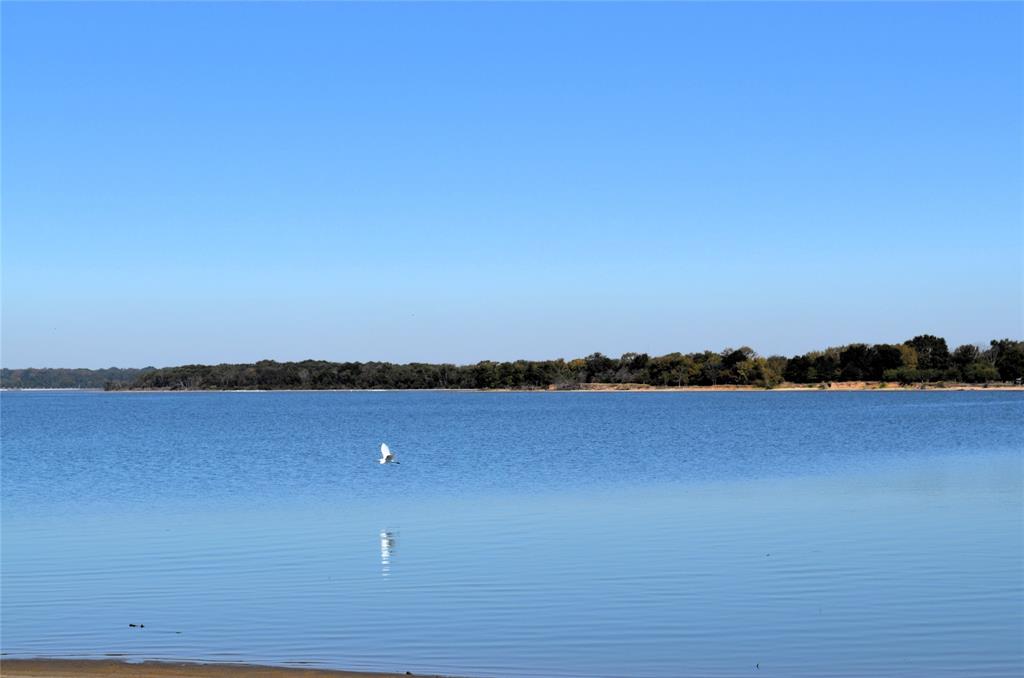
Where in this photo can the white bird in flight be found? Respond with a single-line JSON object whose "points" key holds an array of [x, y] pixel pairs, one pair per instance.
{"points": [[386, 456]]}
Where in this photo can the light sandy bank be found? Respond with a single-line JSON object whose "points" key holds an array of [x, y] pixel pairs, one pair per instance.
{"points": [[787, 386], [75, 668]]}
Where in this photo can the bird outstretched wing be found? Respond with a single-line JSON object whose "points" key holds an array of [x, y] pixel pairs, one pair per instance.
{"points": [[385, 451]]}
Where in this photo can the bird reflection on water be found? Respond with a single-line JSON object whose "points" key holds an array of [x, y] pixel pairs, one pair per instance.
{"points": [[387, 547]]}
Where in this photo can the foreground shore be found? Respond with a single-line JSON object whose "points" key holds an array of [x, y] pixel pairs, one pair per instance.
{"points": [[101, 668]]}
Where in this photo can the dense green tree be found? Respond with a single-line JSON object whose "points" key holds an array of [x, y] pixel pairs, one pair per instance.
{"points": [[710, 366], [798, 369], [902, 375], [775, 368], [600, 368], [965, 355], [55, 377], [855, 362], [632, 368], [908, 356], [1008, 357], [932, 352], [883, 357], [674, 369], [826, 366], [980, 371]]}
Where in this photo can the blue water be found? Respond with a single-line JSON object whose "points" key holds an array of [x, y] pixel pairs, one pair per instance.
{"points": [[523, 534]]}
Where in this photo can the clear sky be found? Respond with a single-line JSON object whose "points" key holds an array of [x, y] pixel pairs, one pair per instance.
{"points": [[454, 182]]}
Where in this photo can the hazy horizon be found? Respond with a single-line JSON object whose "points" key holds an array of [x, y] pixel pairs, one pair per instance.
{"points": [[449, 183]]}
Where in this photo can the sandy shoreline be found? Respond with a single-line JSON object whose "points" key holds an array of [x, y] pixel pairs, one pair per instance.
{"points": [[103, 668], [788, 387], [590, 388]]}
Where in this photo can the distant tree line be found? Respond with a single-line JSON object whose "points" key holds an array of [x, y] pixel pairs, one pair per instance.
{"points": [[922, 359], [56, 377], [925, 358]]}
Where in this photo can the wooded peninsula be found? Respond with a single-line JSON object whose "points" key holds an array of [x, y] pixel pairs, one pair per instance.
{"points": [[925, 359]]}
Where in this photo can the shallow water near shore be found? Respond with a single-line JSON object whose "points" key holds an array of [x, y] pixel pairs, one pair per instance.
{"points": [[523, 534]]}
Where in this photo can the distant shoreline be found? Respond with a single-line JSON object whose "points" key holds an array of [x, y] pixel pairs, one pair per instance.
{"points": [[106, 668], [925, 359], [853, 386]]}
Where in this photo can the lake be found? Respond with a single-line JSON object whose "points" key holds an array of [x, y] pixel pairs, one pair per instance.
{"points": [[522, 534]]}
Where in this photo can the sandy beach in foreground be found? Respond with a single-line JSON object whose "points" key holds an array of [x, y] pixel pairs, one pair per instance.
{"points": [[88, 668]]}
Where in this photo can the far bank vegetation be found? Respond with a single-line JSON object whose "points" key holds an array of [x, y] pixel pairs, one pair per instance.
{"points": [[922, 360]]}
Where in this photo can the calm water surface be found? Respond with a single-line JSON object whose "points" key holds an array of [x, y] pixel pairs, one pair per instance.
{"points": [[523, 534]]}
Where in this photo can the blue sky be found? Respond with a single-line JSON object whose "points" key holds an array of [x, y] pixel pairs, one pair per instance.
{"points": [[456, 182]]}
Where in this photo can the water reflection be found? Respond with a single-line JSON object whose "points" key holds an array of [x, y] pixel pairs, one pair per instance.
{"points": [[896, 532], [387, 547]]}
